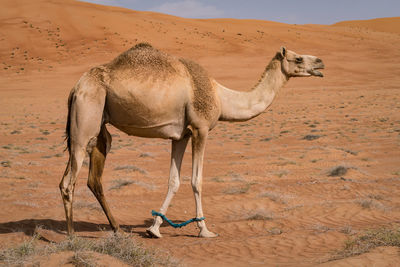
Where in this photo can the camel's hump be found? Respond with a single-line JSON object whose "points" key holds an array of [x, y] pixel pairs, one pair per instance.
{"points": [[142, 56], [142, 45]]}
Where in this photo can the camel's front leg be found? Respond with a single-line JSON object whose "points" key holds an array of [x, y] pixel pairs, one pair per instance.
{"points": [[177, 152], [199, 139]]}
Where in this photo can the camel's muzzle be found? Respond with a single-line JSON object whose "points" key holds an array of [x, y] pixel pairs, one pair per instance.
{"points": [[318, 66]]}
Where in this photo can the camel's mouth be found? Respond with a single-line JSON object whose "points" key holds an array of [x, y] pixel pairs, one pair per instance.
{"points": [[316, 72]]}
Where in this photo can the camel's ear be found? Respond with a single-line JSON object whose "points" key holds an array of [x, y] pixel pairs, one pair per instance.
{"points": [[283, 51]]}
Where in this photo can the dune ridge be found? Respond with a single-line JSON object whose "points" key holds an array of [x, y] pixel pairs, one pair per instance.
{"points": [[391, 25]]}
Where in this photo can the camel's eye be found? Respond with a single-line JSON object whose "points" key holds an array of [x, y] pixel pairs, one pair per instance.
{"points": [[299, 59]]}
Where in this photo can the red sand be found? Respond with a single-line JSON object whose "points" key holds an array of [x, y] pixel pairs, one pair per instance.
{"points": [[45, 46]]}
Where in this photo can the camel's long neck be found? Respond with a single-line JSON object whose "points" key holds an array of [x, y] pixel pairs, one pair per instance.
{"points": [[242, 106]]}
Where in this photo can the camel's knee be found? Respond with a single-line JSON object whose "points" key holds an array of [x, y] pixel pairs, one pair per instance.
{"points": [[196, 186], [95, 187], [101, 143], [62, 188], [91, 144], [91, 185], [67, 183], [65, 191]]}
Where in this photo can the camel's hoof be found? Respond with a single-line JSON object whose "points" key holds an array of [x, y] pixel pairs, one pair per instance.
{"points": [[153, 233], [71, 233], [121, 232], [206, 233]]}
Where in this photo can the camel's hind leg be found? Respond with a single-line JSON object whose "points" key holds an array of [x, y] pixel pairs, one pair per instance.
{"points": [[97, 160], [85, 115]]}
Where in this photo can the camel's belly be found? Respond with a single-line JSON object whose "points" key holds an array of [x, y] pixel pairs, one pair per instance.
{"points": [[168, 130], [147, 122]]}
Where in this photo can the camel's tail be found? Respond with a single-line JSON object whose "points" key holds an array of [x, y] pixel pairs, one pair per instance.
{"points": [[68, 125]]}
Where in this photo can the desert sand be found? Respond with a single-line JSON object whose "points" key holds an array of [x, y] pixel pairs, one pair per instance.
{"points": [[267, 188]]}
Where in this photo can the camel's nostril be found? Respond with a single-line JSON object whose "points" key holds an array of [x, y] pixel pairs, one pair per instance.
{"points": [[318, 60]]}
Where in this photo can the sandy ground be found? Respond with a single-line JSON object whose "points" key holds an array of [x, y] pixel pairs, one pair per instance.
{"points": [[260, 167]]}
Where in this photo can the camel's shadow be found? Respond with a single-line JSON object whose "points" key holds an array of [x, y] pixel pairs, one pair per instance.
{"points": [[28, 227]]}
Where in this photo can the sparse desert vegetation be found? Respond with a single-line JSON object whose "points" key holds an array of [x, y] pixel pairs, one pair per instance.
{"points": [[236, 190], [338, 171], [121, 247], [130, 168], [261, 215], [368, 240]]}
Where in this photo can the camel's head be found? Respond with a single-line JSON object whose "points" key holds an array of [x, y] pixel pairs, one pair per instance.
{"points": [[294, 65]]}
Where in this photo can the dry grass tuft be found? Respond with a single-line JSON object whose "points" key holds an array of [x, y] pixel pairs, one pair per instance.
{"points": [[311, 137], [367, 203], [237, 190], [18, 255], [274, 197], [275, 231], [369, 240], [125, 249], [281, 173], [87, 205], [259, 215], [146, 155], [82, 259], [217, 179], [130, 168], [338, 171], [6, 163], [375, 196], [347, 229], [119, 183], [121, 247]]}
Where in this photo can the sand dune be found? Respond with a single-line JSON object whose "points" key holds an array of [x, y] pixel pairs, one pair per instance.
{"points": [[391, 25], [262, 169]]}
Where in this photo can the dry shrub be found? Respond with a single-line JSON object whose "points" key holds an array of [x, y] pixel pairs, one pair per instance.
{"points": [[276, 197], [237, 190], [87, 205], [130, 168], [120, 183], [259, 215], [282, 173], [275, 231], [338, 171], [311, 137], [19, 254], [347, 229], [369, 240], [125, 249], [82, 259], [367, 203]]}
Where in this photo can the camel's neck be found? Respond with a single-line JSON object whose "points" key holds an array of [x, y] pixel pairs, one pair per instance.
{"points": [[242, 106]]}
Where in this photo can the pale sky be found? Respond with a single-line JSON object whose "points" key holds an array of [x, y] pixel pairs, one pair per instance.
{"points": [[287, 11]]}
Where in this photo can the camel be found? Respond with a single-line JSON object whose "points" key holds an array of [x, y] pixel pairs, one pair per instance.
{"points": [[148, 93]]}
